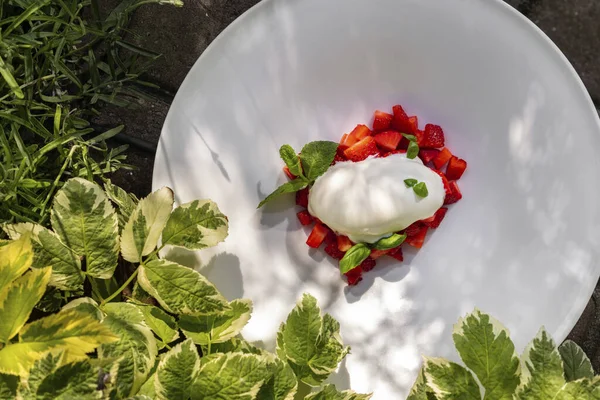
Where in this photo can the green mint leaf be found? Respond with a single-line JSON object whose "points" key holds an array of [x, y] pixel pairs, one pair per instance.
{"points": [[421, 189], [217, 327], [142, 231], [136, 349], [329, 392], [291, 159], [449, 380], [73, 381], [354, 257], [544, 364], [410, 182], [288, 187], [161, 323], [409, 137], [180, 290], [177, 372], [390, 242], [86, 222], [413, 150], [486, 349], [576, 363], [196, 225], [316, 157]]}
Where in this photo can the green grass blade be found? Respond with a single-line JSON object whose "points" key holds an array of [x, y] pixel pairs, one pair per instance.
{"points": [[10, 80], [24, 16]]}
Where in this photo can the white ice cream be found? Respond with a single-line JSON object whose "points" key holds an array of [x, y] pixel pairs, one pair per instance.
{"points": [[369, 200]]}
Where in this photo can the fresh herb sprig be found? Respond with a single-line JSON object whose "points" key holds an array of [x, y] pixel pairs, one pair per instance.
{"points": [[361, 251], [420, 188]]}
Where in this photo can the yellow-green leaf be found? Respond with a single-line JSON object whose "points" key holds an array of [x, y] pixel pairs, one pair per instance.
{"points": [[124, 201], [15, 258], [161, 323], [70, 331], [450, 381], [86, 222], [177, 372], [329, 392], [142, 231], [77, 380], [18, 299]]}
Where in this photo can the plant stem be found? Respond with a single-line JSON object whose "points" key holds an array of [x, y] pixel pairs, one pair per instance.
{"points": [[119, 290]]}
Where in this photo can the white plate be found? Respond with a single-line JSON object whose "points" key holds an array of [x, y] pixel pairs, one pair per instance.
{"points": [[521, 245]]}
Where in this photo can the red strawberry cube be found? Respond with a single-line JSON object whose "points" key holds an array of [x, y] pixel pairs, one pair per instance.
{"points": [[456, 168], [382, 121], [363, 149], [302, 197], [435, 221], [305, 218], [375, 254], [414, 124], [414, 229], [418, 239], [455, 194], [427, 155], [317, 236], [442, 158], [347, 141], [447, 188], [360, 132], [354, 276], [333, 251], [401, 123], [368, 264], [397, 254], [344, 243], [433, 137], [389, 140], [288, 173]]}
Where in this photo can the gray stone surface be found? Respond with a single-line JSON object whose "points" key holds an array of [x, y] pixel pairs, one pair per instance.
{"points": [[181, 35]]}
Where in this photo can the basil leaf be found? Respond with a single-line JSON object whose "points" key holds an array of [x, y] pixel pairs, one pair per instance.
{"points": [[412, 151], [291, 159], [316, 157], [354, 257], [288, 187], [390, 242], [410, 138], [410, 182], [421, 189]]}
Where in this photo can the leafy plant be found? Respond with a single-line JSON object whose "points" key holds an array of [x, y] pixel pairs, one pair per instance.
{"points": [[494, 371], [173, 337], [59, 63]]}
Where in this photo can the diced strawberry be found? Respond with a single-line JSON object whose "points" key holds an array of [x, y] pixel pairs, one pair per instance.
{"points": [[442, 158], [288, 173], [389, 153], [363, 149], [333, 251], [420, 135], [368, 264], [418, 239], [338, 158], [414, 229], [397, 254], [435, 221], [302, 197], [375, 254], [455, 194], [427, 155], [404, 142], [344, 243], [354, 276], [331, 238], [317, 236], [347, 141], [360, 132], [304, 217], [382, 121], [414, 123], [388, 140], [401, 122], [447, 188], [456, 168], [434, 137]]}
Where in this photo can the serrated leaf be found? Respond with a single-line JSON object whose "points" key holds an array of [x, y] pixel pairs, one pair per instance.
{"points": [[485, 347], [450, 381], [142, 232], [283, 385], [302, 329], [18, 299], [49, 251], [180, 290], [70, 331], [148, 388], [86, 222], [288, 187], [329, 392], [161, 323], [85, 305], [217, 327], [291, 159], [195, 225], [316, 157], [136, 348], [177, 372], [41, 369], [73, 381], [234, 345], [581, 389], [231, 376], [15, 258], [420, 390], [543, 374], [8, 386], [576, 364], [125, 202]]}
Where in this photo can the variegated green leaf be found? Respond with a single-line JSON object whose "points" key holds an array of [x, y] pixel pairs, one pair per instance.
{"points": [[41, 369], [18, 299], [86, 222], [450, 381], [163, 325], [576, 364], [231, 376], [72, 381], [124, 201], [329, 392], [70, 331], [543, 374], [148, 388], [142, 231], [195, 225], [420, 390], [136, 349], [8, 386], [177, 372], [283, 385], [49, 251], [233, 345], [581, 389], [180, 290], [217, 327], [15, 258], [486, 349], [86, 306]]}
